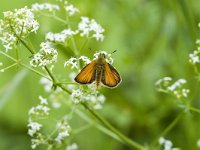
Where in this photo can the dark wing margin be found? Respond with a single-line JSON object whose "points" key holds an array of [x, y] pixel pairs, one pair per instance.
{"points": [[110, 78], [87, 74]]}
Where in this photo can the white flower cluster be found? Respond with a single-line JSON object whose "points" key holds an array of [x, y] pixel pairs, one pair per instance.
{"points": [[194, 57], [47, 84], [71, 9], [167, 144], [47, 55], [33, 127], [45, 6], [60, 37], [176, 88], [198, 143], [90, 28], [77, 95], [72, 146], [40, 110], [107, 55], [17, 24], [73, 62], [63, 131], [91, 95]]}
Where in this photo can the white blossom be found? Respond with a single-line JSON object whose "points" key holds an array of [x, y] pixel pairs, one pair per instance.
{"points": [[45, 6], [47, 55], [60, 37], [33, 127], [17, 24], [73, 62], [90, 28], [73, 146], [167, 144], [63, 131], [107, 56], [47, 84], [41, 109], [198, 143], [71, 9], [77, 95]]}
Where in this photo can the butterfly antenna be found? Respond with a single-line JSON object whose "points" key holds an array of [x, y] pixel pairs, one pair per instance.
{"points": [[113, 52]]}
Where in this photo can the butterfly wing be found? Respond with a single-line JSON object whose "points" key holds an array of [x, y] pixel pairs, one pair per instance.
{"points": [[87, 74], [110, 76]]}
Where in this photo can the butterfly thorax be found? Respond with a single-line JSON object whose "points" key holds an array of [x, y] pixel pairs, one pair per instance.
{"points": [[100, 66]]}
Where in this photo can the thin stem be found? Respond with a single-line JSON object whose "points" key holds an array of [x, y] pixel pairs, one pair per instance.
{"points": [[55, 17], [168, 128], [24, 65], [194, 109], [26, 45], [125, 139]]}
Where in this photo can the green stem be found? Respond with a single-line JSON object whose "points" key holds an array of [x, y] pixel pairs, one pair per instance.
{"points": [[167, 129], [26, 45], [194, 109]]}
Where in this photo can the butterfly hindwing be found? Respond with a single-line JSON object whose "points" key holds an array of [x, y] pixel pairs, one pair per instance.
{"points": [[87, 74], [110, 77]]}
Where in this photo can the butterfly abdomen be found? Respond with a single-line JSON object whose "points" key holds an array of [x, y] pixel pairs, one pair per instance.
{"points": [[99, 70]]}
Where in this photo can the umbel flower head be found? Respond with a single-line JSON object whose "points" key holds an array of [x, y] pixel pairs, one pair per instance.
{"points": [[47, 55], [15, 25]]}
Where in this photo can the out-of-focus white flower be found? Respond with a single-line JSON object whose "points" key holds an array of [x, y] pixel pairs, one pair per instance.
{"points": [[71, 9], [107, 56], [73, 62], [77, 95], [63, 131], [90, 28], [33, 127], [47, 55], [41, 109], [47, 84], [45, 6], [176, 88], [73, 146], [60, 37], [17, 24], [198, 143], [167, 144]]}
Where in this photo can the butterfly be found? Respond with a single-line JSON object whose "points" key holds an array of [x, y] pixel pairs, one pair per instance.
{"points": [[101, 71]]}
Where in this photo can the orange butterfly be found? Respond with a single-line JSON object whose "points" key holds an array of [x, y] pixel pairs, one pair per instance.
{"points": [[101, 71]]}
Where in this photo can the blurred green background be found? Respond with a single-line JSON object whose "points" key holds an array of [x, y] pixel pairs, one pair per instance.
{"points": [[153, 39]]}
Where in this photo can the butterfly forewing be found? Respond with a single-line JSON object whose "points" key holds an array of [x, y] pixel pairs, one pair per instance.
{"points": [[110, 77], [87, 74]]}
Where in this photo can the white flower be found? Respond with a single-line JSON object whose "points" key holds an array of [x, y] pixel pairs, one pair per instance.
{"points": [[90, 28], [77, 95], [45, 6], [107, 56], [71, 9], [85, 59], [64, 131], [17, 24], [60, 37], [73, 62], [41, 109], [198, 143], [33, 127], [47, 84], [73, 146], [47, 55], [167, 144], [43, 100]]}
